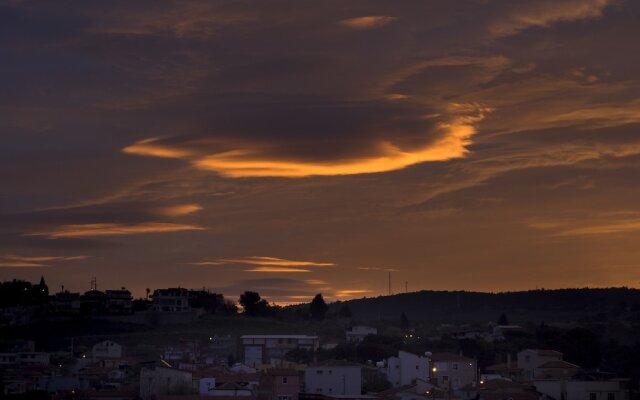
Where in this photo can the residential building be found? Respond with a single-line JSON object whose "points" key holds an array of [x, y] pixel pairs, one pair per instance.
{"points": [[452, 371], [406, 368], [333, 378], [106, 349], [279, 384], [501, 332], [66, 303], [583, 389], [93, 302], [500, 389], [262, 349], [530, 359], [158, 380], [170, 300], [119, 301], [556, 370], [24, 358], [357, 334]]}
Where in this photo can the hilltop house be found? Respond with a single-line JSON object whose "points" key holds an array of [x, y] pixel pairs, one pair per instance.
{"points": [[170, 300]]}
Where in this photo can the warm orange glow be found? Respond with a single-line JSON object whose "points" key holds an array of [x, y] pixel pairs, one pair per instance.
{"points": [[150, 147], [20, 264], [368, 22], [277, 269], [89, 230], [255, 162], [603, 229], [272, 261], [179, 210], [351, 292], [546, 14]]}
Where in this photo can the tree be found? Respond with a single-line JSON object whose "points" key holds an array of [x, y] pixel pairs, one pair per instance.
{"points": [[503, 320], [345, 311], [404, 321], [318, 308], [254, 305]]}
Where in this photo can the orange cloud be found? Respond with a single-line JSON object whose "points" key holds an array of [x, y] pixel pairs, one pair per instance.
{"points": [[543, 14], [351, 292], [603, 229], [20, 264], [455, 136], [151, 147], [271, 261], [179, 210], [90, 230], [368, 22], [17, 261], [277, 269]]}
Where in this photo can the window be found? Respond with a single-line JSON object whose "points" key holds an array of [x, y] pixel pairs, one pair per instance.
{"points": [[611, 396], [319, 372], [455, 367], [593, 396], [284, 379], [284, 398], [445, 378], [417, 367]]}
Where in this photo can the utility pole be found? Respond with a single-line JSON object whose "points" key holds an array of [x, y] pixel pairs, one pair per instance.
{"points": [[406, 286], [389, 283]]}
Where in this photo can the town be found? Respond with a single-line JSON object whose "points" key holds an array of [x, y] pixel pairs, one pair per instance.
{"points": [[190, 344]]}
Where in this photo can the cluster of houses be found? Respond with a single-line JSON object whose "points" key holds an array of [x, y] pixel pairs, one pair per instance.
{"points": [[254, 367], [171, 300]]}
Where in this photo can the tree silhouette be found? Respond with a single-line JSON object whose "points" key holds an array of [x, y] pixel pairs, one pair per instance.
{"points": [[254, 305], [318, 308], [404, 321], [503, 320]]}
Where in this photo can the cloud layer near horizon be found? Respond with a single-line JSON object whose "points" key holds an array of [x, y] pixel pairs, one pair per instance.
{"points": [[491, 147]]}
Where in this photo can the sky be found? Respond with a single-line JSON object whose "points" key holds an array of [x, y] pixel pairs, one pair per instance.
{"points": [[295, 148]]}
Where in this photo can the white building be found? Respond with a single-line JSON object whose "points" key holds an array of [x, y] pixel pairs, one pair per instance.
{"points": [[170, 300], [333, 378], [357, 333], [106, 349], [262, 349], [24, 358], [406, 368], [583, 389], [453, 371], [529, 360]]}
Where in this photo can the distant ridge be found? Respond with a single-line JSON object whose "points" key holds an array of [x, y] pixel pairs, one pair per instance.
{"points": [[525, 306]]}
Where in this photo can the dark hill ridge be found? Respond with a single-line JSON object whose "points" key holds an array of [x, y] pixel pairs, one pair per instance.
{"points": [[526, 306]]}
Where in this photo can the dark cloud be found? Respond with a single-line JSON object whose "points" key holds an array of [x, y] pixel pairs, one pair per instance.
{"points": [[491, 146]]}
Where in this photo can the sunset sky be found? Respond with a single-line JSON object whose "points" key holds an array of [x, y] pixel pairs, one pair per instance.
{"points": [[296, 147]]}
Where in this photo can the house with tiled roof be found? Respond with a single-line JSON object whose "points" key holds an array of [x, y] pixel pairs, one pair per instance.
{"points": [[530, 359]]}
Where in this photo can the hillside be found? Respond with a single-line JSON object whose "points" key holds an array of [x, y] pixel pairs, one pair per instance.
{"points": [[526, 306]]}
